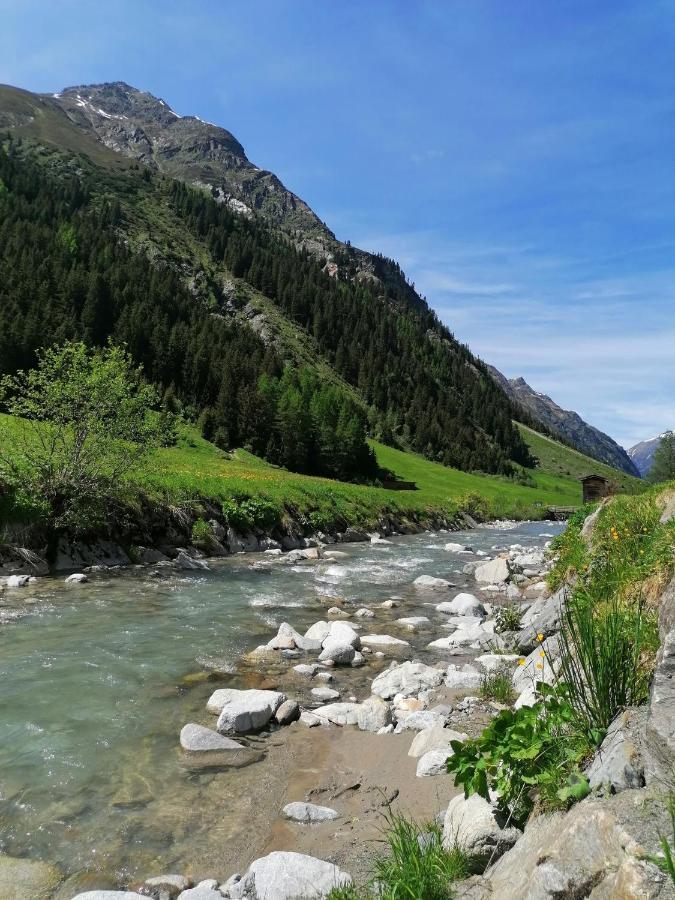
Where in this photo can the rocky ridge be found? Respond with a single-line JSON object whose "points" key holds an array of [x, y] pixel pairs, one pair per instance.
{"points": [[569, 424]]}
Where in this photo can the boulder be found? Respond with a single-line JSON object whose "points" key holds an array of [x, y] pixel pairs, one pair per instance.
{"points": [[288, 712], [464, 637], [342, 631], [457, 548], [406, 679], [479, 829], [16, 581], [383, 640], [497, 662], [306, 670], [434, 738], [467, 678], [165, 887], [586, 852], [429, 583], [187, 562], [205, 747], [433, 762], [413, 623], [29, 879], [456, 622], [338, 651], [283, 875], [494, 572], [618, 763], [543, 617], [364, 613], [420, 721], [373, 714], [463, 605], [389, 604], [242, 711], [319, 631], [338, 713], [77, 578], [325, 694], [288, 634], [205, 890], [336, 613], [309, 812]]}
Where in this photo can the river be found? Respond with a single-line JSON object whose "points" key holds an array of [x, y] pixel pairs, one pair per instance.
{"points": [[97, 680]]}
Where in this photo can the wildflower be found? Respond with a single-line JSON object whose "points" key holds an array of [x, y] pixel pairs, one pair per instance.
{"points": [[539, 666], [540, 637], [521, 662], [542, 654]]}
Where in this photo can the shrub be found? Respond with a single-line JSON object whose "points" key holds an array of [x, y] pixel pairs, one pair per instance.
{"points": [[250, 513], [507, 618], [528, 754], [202, 533], [84, 424], [476, 505]]}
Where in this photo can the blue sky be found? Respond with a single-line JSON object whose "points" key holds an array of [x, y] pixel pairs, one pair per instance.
{"points": [[516, 156]]}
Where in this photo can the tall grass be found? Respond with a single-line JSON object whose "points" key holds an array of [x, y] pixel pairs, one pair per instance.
{"points": [[603, 656], [417, 866]]}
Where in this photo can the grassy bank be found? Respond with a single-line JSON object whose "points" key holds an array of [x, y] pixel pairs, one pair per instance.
{"points": [[195, 469]]}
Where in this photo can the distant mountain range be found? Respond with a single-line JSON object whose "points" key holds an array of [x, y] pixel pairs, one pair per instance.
{"points": [[566, 423], [642, 454]]}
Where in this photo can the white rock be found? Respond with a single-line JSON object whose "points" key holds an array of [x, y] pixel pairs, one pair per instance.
{"points": [[336, 613], [475, 825], [382, 640], [205, 890], [285, 875], [344, 632], [420, 720], [494, 572], [413, 623], [434, 738], [309, 812], [359, 659], [110, 895], [185, 561], [319, 631], [15, 581], [325, 676], [463, 605], [457, 548], [388, 604], [455, 622], [242, 711], [306, 670], [338, 713], [77, 578], [198, 739], [496, 662], [433, 762], [463, 637], [364, 613], [406, 679], [373, 714], [338, 651], [325, 694], [466, 678], [429, 583]]}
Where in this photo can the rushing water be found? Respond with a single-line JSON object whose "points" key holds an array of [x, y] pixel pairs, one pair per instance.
{"points": [[96, 681]]}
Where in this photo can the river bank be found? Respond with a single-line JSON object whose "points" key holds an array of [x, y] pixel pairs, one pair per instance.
{"points": [[117, 801]]}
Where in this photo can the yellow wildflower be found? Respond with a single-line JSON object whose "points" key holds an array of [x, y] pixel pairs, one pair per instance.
{"points": [[539, 666], [540, 637], [542, 653], [521, 662]]}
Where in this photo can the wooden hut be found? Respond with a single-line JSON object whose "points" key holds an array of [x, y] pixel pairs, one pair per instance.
{"points": [[595, 487]]}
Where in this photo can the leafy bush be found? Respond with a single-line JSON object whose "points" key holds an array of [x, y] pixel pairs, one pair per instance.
{"points": [[476, 505], [605, 650], [202, 533], [251, 513], [507, 618], [528, 754], [497, 686]]}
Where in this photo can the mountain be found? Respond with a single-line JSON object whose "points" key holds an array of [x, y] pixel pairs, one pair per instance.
{"points": [[567, 424], [125, 221], [642, 454]]}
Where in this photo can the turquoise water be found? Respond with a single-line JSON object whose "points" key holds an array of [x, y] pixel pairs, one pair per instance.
{"points": [[94, 691]]}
